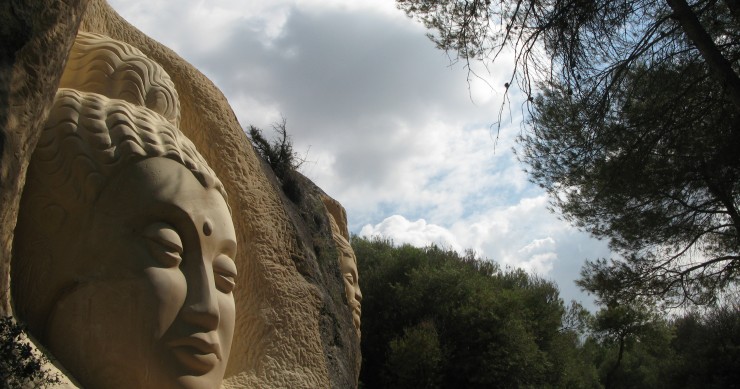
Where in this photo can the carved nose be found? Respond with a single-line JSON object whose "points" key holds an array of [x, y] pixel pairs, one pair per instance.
{"points": [[201, 303], [358, 294]]}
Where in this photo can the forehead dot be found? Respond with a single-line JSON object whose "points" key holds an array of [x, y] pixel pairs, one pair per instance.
{"points": [[207, 228]]}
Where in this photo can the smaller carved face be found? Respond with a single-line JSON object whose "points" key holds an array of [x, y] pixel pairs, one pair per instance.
{"points": [[153, 303], [348, 267]]}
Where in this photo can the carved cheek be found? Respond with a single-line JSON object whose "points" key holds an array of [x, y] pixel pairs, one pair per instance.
{"points": [[227, 311], [170, 289]]}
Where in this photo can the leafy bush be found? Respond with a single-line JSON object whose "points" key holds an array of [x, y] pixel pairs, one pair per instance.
{"points": [[414, 359], [19, 366], [280, 156]]}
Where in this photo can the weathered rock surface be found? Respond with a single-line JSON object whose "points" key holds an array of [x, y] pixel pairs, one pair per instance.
{"points": [[35, 37], [293, 325]]}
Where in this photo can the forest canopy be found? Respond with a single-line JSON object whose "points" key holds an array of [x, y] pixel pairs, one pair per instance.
{"points": [[432, 318]]}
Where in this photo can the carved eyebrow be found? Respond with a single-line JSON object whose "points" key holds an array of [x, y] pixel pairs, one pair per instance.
{"points": [[227, 246], [164, 208], [172, 214]]}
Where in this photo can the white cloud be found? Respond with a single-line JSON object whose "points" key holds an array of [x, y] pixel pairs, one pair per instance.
{"points": [[538, 256], [418, 233], [513, 234], [537, 245], [523, 235], [259, 111]]}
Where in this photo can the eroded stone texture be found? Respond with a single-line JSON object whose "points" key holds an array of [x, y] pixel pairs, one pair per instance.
{"points": [[318, 265]]}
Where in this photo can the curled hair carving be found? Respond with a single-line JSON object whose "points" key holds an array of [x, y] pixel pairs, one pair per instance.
{"points": [[118, 70], [89, 137]]}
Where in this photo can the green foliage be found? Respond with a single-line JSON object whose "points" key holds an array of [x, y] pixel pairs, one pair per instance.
{"points": [[633, 348], [574, 361], [414, 359], [470, 323], [435, 319], [634, 341], [280, 156], [19, 366], [707, 348]]}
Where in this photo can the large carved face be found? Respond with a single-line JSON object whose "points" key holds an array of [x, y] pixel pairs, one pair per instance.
{"points": [[348, 267], [152, 306]]}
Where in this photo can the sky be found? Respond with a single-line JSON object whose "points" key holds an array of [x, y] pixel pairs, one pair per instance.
{"points": [[393, 128]]}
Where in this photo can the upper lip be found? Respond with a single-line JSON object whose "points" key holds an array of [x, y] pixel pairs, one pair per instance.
{"points": [[200, 342]]}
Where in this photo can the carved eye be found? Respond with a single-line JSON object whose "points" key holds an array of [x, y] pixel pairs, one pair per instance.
{"points": [[164, 244], [349, 277], [224, 273], [347, 253]]}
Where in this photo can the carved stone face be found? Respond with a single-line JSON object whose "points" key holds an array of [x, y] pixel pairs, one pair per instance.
{"points": [[348, 267], [152, 305]]}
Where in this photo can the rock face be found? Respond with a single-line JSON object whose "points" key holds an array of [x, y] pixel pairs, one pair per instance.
{"points": [[35, 38], [294, 324]]}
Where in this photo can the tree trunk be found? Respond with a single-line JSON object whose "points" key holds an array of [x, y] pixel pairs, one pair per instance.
{"points": [[608, 384], [719, 66]]}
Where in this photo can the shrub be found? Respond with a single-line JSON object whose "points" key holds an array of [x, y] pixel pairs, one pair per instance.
{"points": [[19, 366], [280, 156]]}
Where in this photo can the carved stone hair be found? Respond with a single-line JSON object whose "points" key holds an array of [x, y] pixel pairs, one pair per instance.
{"points": [[341, 239], [118, 70], [114, 107], [89, 138]]}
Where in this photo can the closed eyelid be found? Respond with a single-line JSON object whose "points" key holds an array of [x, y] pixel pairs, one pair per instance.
{"points": [[164, 234], [165, 244], [224, 270], [351, 275]]}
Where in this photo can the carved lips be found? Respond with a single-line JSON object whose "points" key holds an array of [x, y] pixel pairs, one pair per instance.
{"points": [[196, 353]]}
